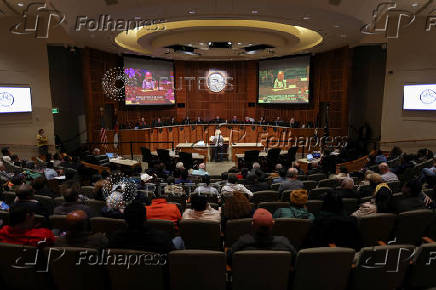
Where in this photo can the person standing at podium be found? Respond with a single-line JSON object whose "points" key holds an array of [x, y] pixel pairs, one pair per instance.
{"points": [[218, 142]]}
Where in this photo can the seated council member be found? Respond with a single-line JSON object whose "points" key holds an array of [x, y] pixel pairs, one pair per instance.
{"points": [[172, 122], [187, 121], [199, 120], [217, 120], [234, 120], [277, 122], [158, 123], [262, 121]]}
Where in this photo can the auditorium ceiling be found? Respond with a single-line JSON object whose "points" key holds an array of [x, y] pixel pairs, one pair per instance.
{"points": [[218, 29]]}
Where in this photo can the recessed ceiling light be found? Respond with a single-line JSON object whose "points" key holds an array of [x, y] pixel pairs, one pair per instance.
{"points": [[239, 43], [254, 11], [20, 4], [306, 17], [414, 5], [229, 43], [343, 35], [210, 43], [201, 43], [336, 26], [191, 12], [189, 44]]}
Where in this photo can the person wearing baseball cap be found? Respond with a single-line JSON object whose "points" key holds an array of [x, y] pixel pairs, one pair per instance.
{"points": [[297, 209], [261, 237]]}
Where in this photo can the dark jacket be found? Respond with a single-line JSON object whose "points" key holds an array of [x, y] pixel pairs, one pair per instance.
{"points": [[408, 203], [145, 239], [260, 242], [68, 207]]}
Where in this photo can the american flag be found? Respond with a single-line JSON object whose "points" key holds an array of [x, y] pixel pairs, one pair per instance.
{"points": [[103, 137]]}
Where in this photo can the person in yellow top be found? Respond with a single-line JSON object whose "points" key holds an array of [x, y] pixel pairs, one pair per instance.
{"points": [[42, 142]]}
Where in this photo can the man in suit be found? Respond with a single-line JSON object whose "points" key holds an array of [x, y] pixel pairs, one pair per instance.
{"points": [[217, 120], [277, 122], [142, 123], [172, 122], [186, 121], [158, 123], [234, 120], [199, 120], [412, 198], [262, 121]]}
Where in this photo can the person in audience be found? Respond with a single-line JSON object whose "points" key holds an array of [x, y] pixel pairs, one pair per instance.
{"points": [[49, 171], [224, 179], [115, 204], [373, 179], [256, 165], [297, 209], [275, 174], [78, 233], [385, 173], [56, 160], [380, 203], [231, 186], [71, 201], [428, 173], [343, 173], [256, 181], [179, 167], [406, 163], [291, 181], [42, 143], [139, 235], [332, 226], [20, 230], [412, 197], [173, 189], [201, 210], [313, 168], [236, 206], [183, 177], [346, 189], [424, 155], [6, 154], [25, 198], [160, 209], [201, 170], [297, 165], [282, 176], [40, 187], [262, 237], [16, 181], [98, 189], [396, 152], [205, 188]]}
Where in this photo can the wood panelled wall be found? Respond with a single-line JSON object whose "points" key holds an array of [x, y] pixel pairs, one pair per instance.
{"points": [[331, 76]]}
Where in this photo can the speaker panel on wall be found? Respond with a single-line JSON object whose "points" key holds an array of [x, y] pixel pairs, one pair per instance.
{"points": [[251, 104], [180, 105]]}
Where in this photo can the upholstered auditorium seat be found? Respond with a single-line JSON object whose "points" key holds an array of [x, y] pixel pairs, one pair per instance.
{"points": [[381, 267], [201, 235], [350, 205], [328, 183], [376, 227], [314, 206], [260, 270], [107, 225], [197, 270], [265, 195], [319, 192], [309, 184], [96, 206], [272, 206], [58, 222], [413, 225], [323, 268], [146, 271], [423, 269], [162, 225], [14, 274], [68, 274], [235, 229], [87, 190], [295, 230]]}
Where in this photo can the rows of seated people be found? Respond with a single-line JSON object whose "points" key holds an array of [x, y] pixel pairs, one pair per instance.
{"points": [[267, 209]]}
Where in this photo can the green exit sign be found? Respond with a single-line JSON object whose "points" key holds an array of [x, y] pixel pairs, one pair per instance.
{"points": [[55, 110]]}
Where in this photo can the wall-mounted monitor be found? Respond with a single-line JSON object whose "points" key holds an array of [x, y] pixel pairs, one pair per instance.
{"points": [[149, 82], [419, 97], [15, 99], [284, 81]]}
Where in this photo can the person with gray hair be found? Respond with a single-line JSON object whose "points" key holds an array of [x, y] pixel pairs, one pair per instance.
{"points": [[291, 182], [385, 173], [347, 189]]}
